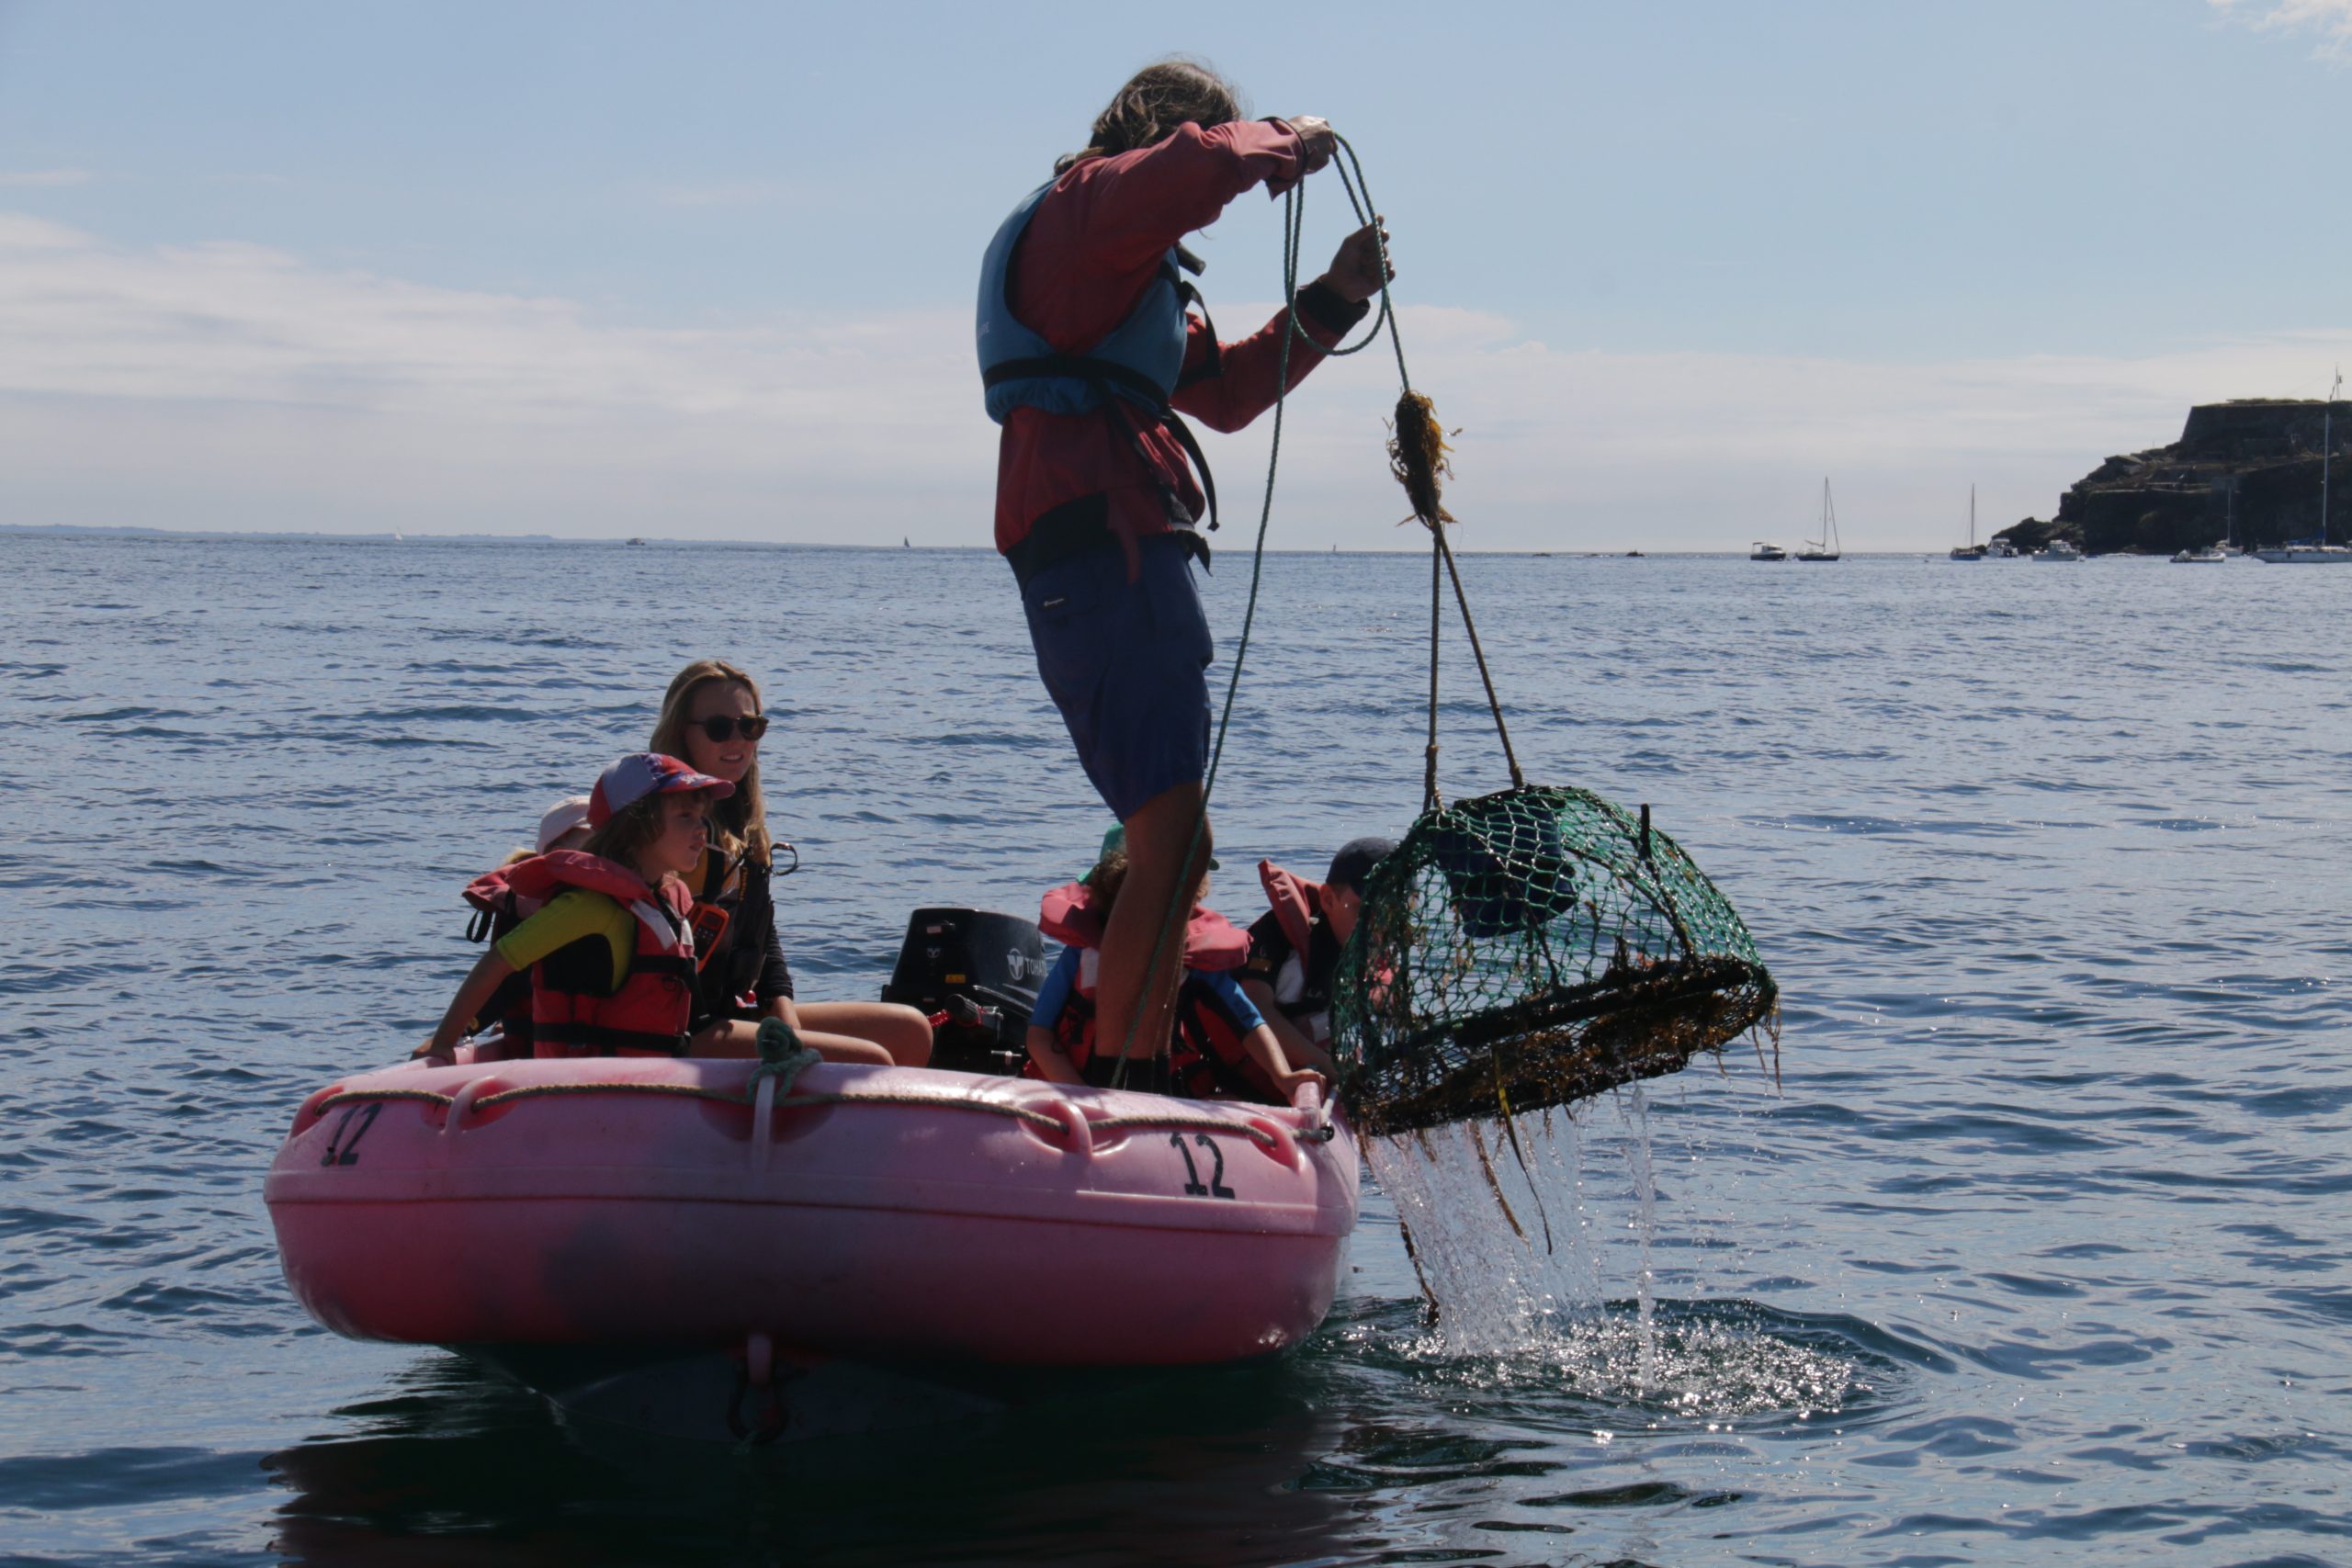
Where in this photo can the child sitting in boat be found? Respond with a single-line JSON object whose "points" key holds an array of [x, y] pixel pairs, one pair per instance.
{"points": [[611, 949], [564, 825], [1222, 1047], [1294, 947]]}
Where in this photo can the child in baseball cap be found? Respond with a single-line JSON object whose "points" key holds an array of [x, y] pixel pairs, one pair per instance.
{"points": [[611, 949]]}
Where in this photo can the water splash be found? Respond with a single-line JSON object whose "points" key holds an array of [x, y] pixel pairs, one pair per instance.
{"points": [[1637, 1161], [1710, 1363], [1512, 1245]]}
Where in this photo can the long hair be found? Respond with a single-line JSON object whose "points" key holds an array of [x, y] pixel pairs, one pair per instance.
{"points": [[739, 822], [1160, 97]]}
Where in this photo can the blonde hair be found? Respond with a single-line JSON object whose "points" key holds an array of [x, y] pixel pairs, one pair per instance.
{"points": [[739, 822]]}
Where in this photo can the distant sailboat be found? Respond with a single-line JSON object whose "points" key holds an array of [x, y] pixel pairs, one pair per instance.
{"points": [[2220, 552], [2316, 552], [1826, 547], [1970, 550]]}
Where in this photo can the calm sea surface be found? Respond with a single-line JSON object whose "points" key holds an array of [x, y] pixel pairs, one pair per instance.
{"points": [[2038, 1253]]}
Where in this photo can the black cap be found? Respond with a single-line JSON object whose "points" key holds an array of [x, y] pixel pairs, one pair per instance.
{"points": [[1355, 860]]}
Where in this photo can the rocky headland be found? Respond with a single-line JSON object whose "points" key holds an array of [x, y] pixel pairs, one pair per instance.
{"points": [[2250, 468]]}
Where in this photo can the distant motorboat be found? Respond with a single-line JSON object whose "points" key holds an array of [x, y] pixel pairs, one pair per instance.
{"points": [[1759, 550], [2060, 549], [636, 541], [1826, 547], [1970, 550], [2211, 553], [2001, 549]]}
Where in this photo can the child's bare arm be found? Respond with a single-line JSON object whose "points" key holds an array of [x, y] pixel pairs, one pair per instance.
{"points": [[1296, 1046], [1054, 1062], [1267, 1052], [487, 973]]}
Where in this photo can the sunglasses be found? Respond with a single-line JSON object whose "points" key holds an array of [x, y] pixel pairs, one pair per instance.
{"points": [[722, 728]]}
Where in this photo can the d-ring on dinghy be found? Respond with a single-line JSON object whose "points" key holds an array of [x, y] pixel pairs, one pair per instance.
{"points": [[892, 1214]]}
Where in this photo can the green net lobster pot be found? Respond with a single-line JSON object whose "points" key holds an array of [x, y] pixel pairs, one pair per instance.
{"points": [[1529, 949]]}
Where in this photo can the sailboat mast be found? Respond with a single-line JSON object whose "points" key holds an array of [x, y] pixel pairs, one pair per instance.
{"points": [[2327, 453]]}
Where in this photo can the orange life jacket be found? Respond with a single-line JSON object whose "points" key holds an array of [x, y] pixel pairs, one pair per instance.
{"points": [[647, 1013]]}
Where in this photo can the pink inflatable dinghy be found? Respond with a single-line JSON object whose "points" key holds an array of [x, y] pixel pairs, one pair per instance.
{"points": [[886, 1212]]}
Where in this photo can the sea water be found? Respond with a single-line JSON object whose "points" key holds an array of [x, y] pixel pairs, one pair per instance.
{"points": [[2036, 1252]]}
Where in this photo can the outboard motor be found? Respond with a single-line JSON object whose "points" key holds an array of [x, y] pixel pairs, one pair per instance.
{"points": [[982, 970]]}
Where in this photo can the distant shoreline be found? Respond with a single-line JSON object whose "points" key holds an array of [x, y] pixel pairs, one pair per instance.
{"points": [[130, 532]]}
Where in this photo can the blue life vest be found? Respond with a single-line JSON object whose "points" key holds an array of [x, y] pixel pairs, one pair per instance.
{"points": [[1141, 359]]}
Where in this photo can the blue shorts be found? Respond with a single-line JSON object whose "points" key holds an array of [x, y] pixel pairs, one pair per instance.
{"points": [[1128, 664]]}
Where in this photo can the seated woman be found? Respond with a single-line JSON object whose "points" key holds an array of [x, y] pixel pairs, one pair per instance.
{"points": [[711, 718], [1294, 947], [1221, 1049]]}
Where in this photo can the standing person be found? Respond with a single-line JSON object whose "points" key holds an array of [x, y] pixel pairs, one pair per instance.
{"points": [[711, 718], [1088, 353]]}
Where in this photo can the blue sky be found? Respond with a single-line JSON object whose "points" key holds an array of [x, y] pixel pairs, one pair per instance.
{"points": [[704, 271]]}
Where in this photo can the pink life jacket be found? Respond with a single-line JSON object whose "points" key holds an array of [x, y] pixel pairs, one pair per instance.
{"points": [[1211, 942], [1294, 900]]}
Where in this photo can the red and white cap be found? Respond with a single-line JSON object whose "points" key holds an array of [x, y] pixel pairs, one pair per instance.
{"points": [[641, 774]]}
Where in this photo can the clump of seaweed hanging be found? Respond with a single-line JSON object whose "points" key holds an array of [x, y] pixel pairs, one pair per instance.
{"points": [[1416, 457]]}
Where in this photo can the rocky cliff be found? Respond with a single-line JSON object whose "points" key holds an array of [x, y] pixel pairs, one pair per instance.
{"points": [[2251, 467]]}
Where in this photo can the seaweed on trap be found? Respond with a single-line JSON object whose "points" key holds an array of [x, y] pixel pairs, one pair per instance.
{"points": [[1531, 948]]}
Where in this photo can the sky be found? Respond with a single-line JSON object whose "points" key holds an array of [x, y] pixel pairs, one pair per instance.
{"points": [[705, 271]]}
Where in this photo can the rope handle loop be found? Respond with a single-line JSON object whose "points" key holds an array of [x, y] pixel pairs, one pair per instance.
{"points": [[782, 1058]]}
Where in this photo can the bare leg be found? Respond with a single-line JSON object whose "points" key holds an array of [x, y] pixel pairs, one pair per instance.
{"points": [[901, 1030], [739, 1038], [1158, 875]]}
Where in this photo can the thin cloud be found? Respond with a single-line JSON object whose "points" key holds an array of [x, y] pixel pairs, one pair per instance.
{"points": [[40, 179], [2329, 20], [230, 385]]}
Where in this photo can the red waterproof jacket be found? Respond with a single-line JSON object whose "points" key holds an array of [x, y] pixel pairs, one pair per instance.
{"points": [[1095, 243]]}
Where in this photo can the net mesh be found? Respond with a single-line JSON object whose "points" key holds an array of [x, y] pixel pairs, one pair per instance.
{"points": [[1530, 948]]}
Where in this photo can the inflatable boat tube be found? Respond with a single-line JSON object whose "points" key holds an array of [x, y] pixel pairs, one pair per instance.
{"points": [[857, 1211]]}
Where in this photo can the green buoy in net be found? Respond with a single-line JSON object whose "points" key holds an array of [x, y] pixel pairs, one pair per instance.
{"points": [[1530, 948]]}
